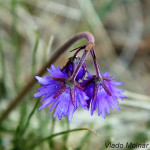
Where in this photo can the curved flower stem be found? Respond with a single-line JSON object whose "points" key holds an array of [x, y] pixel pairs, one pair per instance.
{"points": [[52, 59], [88, 47], [96, 64]]}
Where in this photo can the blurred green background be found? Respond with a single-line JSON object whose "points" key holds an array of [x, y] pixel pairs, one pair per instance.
{"points": [[31, 30]]}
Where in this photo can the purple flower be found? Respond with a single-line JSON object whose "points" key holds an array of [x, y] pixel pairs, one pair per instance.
{"points": [[60, 94], [71, 65], [65, 89], [103, 93]]}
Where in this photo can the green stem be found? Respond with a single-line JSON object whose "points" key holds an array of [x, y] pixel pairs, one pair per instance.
{"points": [[35, 52], [65, 138], [3, 72], [30, 116], [52, 131]]}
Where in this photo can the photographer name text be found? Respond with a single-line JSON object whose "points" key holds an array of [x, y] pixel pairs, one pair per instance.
{"points": [[127, 145]]}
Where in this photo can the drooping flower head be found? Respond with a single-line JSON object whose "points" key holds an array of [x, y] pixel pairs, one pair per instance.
{"points": [[103, 93], [60, 94], [66, 89], [61, 89]]}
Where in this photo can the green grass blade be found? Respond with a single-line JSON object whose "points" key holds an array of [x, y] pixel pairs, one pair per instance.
{"points": [[65, 138], [48, 51], [51, 144], [2, 60], [30, 116], [105, 8], [34, 53], [38, 142], [3, 72], [85, 141]]}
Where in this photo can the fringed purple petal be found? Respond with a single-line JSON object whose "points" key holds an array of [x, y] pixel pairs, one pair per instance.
{"points": [[70, 111], [45, 97], [48, 101], [54, 105], [62, 107], [93, 106], [106, 74], [49, 89], [56, 72], [104, 99], [115, 83], [44, 81]]}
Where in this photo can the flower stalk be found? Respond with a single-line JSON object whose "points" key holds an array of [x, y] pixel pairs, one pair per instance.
{"points": [[72, 78], [96, 64]]}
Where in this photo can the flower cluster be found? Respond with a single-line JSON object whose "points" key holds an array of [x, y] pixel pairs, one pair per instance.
{"points": [[67, 88]]}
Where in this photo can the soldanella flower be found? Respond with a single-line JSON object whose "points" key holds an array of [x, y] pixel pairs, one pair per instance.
{"points": [[59, 92], [65, 89], [103, 93]]}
